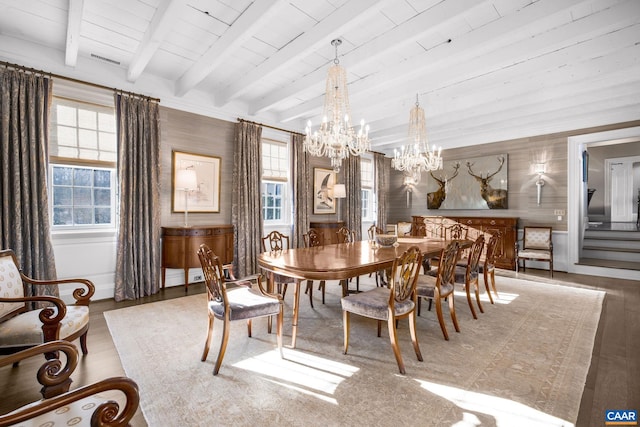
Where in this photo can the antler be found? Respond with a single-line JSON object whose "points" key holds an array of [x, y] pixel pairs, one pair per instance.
{"points": [[489, 176], [442, 180]]}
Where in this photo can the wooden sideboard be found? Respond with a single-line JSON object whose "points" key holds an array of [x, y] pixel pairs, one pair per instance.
{"points": [[328, 230], [506, 256], [180, 247]]}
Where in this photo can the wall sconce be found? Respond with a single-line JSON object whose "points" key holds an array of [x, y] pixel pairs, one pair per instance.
{"points": [[339, 192], [409, 182], [540, 170], [186, 180]]}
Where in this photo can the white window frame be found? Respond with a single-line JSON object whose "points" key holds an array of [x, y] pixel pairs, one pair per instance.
{"points": [[367, 184], [281, 175]]}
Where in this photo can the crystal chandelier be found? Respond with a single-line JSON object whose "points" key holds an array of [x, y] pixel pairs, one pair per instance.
{"points": [[417, 157], [336, 137]]}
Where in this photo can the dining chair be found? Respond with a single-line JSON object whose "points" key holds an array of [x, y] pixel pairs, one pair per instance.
{"points": [[537, 245], [398, 301], [313, 238], [347, 236], [275, 242], [371, 233], [404, 228], [488, 267], [442, 286], [237, 300], [469, 274]]}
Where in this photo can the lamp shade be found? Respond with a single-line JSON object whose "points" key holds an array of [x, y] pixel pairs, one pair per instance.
{"points": [[339, 191], [186, 179]]}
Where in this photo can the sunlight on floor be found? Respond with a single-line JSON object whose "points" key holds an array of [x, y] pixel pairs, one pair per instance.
{"points": [[505, 412], [306, 373], [503, 297]]}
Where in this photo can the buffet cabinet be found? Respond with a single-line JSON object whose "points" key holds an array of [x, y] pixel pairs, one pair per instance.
{"points": [[180, 247], [328, 230], [506, 256]]}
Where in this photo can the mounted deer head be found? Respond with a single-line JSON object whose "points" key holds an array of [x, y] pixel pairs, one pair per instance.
{"points": [[436, 198], [495, 198]]}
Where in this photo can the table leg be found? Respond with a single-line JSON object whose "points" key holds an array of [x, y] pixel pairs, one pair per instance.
{"points": [[296, 309], [270, 280]]}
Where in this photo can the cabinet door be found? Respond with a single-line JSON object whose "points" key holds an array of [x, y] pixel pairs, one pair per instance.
{"points": [[173, 251]]}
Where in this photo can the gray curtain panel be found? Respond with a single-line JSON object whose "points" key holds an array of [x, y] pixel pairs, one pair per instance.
{"points": [[353, 202], [246, 203], [382, 170], [302, 181], [138, 253], [24, 211]]}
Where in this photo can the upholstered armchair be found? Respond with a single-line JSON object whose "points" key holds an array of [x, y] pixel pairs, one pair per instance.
{"points": [[536, 245], [21, 327], [95, 404]]}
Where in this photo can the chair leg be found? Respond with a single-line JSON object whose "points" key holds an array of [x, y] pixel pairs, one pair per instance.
{"points": [[551, 267], [441, 318], [279, 323], [452, 309], [249, 328], [414, 335], [83, 343], [486, 284], [323, 286], [345, 323], [309, 290], [223, 345], [379, 328], [468, 292], [419, 305], [208, 341], [393, 337], [476, 285]]}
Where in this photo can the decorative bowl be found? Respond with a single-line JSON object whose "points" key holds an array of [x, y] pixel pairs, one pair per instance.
{"points": [[386, 240]]}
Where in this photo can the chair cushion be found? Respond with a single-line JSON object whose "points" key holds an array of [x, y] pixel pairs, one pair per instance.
{"points": [[427, 285], [461, 273], [279, 278], [25, 329], [245, 303], [375, 304], [76, 413], [10, 286], [537, 238], [534, 253]]}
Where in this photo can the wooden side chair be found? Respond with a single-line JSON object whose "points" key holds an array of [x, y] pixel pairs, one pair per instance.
{"points": [[313, 238], [275, 242], [398, 301], [347, 236], [372, 232], [82, 406], [239, 300], [442, 286], [469, 274], [488, 267], [404, 228], [21, 327], [537, 245]]}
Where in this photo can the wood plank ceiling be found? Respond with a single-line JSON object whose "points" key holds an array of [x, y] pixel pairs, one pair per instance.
{"points": [[483, 70]]}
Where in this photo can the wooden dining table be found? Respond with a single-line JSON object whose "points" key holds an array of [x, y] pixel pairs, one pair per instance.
{"points": [[339, 261]]}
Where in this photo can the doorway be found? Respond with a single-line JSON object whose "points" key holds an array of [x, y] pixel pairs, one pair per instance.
{"points": [[621, 187]]}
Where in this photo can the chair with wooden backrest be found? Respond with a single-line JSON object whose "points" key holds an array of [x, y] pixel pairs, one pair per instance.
{"points": [[488, 267], [372, 232], [313, 238], [537, 245], [347, 236], [22, 328], [237, 300], [276, 242], [94, 404], [395, 302], [469, 274], [442, 286]]}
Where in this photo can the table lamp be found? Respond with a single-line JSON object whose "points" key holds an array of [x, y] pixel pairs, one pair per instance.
{"points": [[186, 180]]}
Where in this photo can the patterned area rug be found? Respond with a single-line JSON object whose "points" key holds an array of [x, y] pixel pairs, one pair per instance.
{"points": [[523, 362]]}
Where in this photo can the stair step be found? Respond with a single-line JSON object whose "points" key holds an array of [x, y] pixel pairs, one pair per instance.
{"points": [[627, 265], [630, 256], [613, 245], [610, 249], [612, 235]]}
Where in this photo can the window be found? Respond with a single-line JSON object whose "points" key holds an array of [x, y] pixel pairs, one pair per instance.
{"points": [[82, 156], [275, 182], [366, 179]]}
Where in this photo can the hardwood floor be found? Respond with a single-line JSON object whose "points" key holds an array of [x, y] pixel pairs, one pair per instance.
{"points": [[613, 381]]}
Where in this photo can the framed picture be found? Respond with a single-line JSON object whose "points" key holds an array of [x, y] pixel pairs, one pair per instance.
{"points": [[323, 182], [205, 196]]}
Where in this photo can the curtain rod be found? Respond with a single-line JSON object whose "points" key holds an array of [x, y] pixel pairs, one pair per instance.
{"points": [[71, 79], [269, 126]]}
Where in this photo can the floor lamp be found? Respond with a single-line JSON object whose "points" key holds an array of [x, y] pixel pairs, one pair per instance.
{"points": [[339, 192], [186, 180]]}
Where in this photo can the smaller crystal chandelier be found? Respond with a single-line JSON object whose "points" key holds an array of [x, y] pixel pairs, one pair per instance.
{"points": [[336, 138], [417, 157]]}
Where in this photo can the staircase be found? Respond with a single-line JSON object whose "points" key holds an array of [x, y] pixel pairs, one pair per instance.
{"points": [[615, 245]]}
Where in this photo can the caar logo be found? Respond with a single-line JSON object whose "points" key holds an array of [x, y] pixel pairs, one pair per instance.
{"points": [[621, 417]]}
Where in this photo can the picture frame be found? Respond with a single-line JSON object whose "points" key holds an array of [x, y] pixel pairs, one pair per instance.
{"points": [[323, 200], [206, 197]]}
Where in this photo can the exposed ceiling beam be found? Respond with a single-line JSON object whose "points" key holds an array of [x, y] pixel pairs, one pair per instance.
{"points": [[251, 20], [164, 20], [349, 15], [74, 23]]}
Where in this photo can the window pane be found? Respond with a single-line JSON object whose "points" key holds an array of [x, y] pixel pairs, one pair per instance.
{"points": [[62, 196], [66, 115], [87, 119], [103, 215], [62, 176], [87, 139], [62, 216], [82, 216], [106, 122], [102, 197], [81, 196], [82, 177], [101, 178], [67, 136]]}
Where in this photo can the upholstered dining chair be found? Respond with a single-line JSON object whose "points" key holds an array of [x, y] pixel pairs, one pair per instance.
{"points": [[83, 406], [442, 286], [488, 267], [21, 327], [404, 229], [536, 245], [239, 300], [274, 242], [389, 304], [372, 232], [313, 238]]}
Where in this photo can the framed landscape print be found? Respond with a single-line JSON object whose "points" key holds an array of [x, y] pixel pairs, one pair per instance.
{"points": [[323, 182], [206, 196]]}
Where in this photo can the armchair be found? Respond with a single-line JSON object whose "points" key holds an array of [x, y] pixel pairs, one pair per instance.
{"points": [[21, 328], [87, 405], [537, 245]]}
